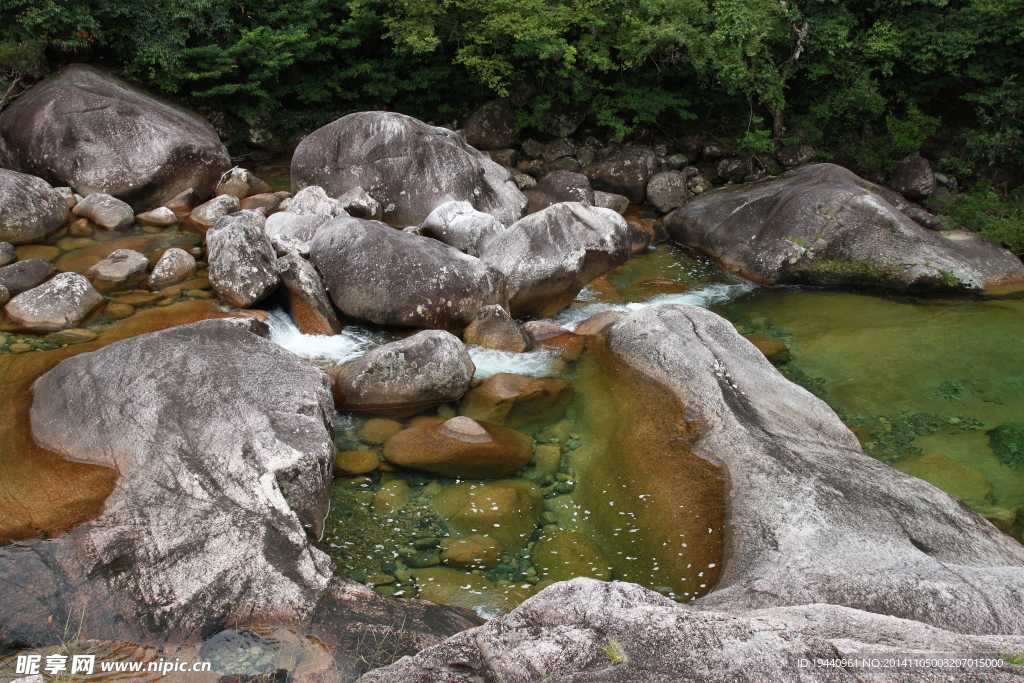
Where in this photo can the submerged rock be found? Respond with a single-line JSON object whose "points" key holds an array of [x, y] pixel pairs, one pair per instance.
{"points": [[461, 448], [565, 555], [389, 277], [493, 328], [29, 208], [516, 401], [549, 256], [242, 262], [411, 168], [955, 478], [62, 302], [406, 377], [472, 552], [507, 510], [84, 128], [822, 224]]}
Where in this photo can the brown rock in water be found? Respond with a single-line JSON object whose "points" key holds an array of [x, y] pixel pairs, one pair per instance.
{"points": [[461, 448], [492, 328], [568, 345], [121, 269], [472, 552], [83, 227], [652, 285], [118, 311], [105, 211], [516, 401], [595, 324], [565, 555], [507, 510], [354, 463], [773, 349], [406, 377], [308, 302], [378, 430], [184, 202], [73, 336]]}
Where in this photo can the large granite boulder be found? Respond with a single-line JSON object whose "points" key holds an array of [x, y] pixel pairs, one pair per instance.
{"points": [[389, 277], [222, 444], [29, 208], [459, 225], [586, 630], [408, 166], [84, 128], [822, 224], [406, 377], [308, 303], [24, 275], [800, 481], [549, 256], [242, 260]]}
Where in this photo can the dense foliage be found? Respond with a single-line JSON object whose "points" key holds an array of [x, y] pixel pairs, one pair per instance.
{"points": [[874, 76]]}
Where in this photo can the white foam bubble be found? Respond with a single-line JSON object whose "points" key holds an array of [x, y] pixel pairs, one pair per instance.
{"points": [[336, 349], [709, 295]]}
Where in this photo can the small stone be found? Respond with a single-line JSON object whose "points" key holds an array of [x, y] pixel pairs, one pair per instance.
{"points": [[547, 459], [184, 202], [73, 336], [122, 267], [378, 430], [81, 228], [57, 304], [391, 498], [8, 253], [206, 214], [170, 292], [19, 347], [461, 448], [160, 217], [240, 183], [516, 401], [379, 580], [139, 297], [175, 266], [357, 202], [105, 211], [568, 345], [564, 555], [492, 328], [610, 200], [118, 311], [199, 294], [472, 552], [354, 463], [421, 560]]}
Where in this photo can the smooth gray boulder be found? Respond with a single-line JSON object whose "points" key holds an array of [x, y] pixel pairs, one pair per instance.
{"points": [[105, 211], [608, 200], [207, 213], [560, 186], [585, 631], [459, 225], [124, 267], [175, 265], [84, 128], [626, 173], [667, 190], [241, 259], [411, 168], [160, 217], [24, 275], [308, 303], [389, 277], [406, 377], [29, 208], [222, 444], [822, 224], [241, 182], [811, 518], [549, 256], [59, 303], [307, 210]]}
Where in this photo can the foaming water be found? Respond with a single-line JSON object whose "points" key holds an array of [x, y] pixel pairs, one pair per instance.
{"points": [[490, 362], [323, 349], [709, 295]]}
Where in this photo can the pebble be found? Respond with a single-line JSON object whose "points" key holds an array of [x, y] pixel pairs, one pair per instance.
{"points": [[118, 311], [199, 294], [420, 560], [73, 336], [19, 348]]}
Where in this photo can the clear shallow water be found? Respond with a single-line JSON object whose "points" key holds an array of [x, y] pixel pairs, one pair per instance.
{"points": [[929, 384]]}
